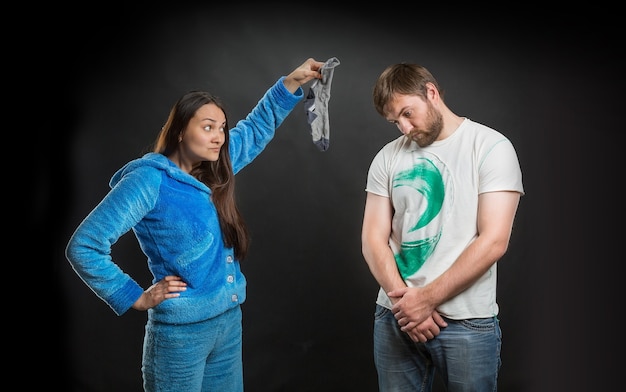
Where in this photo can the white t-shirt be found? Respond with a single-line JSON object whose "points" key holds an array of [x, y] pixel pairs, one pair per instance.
{"points": [[434, 191]]}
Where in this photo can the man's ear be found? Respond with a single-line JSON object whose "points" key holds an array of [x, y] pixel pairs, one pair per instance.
{"points": [[431, 91]]}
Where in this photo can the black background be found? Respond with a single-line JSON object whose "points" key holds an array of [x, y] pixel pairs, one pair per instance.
{"points": [[552, 83]]}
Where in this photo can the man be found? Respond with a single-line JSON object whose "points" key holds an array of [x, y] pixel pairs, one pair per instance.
{"points": [[440, 206]]}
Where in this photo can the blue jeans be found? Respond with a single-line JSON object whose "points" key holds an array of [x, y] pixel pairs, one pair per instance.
{"points": [[466, 354], [204, 356]]}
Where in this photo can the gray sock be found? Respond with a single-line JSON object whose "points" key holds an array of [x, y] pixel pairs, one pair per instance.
{"points": [[316, 105]]}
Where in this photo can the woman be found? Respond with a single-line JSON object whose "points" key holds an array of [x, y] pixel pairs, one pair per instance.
{"points": [[180, 202]]}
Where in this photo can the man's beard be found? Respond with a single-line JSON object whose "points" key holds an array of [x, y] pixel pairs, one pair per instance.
{"points": [[426, 137]]}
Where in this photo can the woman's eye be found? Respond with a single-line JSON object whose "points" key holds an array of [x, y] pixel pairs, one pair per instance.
{"points": [[207, 128]]}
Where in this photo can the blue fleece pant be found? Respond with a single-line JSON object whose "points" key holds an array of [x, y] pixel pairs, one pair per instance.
{"points": [[200, 357]]}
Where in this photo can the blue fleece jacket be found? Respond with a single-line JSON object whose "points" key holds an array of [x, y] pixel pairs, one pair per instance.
{"points": [[176, 225]]}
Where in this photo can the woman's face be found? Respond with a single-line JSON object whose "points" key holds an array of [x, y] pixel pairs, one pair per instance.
{"points": [[204, 136]]}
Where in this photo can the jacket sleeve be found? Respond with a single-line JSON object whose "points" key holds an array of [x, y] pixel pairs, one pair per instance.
{"points": [[249, 136], [89, 247]]}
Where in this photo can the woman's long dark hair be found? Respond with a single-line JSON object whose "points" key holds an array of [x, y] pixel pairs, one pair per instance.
{"points": [[218, 175]]}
